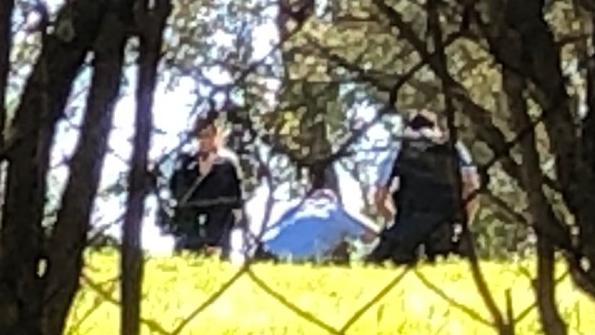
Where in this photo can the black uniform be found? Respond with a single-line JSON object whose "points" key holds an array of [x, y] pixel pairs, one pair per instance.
{"points": [[203, 214], [426, 202]]}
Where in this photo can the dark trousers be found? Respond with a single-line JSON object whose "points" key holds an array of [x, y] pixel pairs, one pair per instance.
{"points": [[441, 242], [400, 241], [213, 234]]}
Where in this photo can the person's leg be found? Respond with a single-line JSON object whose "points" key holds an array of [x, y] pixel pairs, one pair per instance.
{"points": [[179, 244], [462, 246], [217, 232], [225, 238], [440, 242], [396, 243], [430, 253], [194, 244], [382, 251], [405, 243], [410, 236]]}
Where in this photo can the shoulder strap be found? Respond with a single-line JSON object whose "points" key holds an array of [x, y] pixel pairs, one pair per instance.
{"points": [[181, 175]]}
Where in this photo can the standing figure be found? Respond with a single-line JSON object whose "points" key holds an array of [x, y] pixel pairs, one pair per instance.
{"points": [[427, 203], [207, 194]]}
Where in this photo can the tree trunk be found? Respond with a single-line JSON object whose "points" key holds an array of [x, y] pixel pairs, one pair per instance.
{"points": [[69, 235], [6, 7], [441, 68], [585, 277], [588, 131], [42, 104], [539, 207], [152, 23], [576, 177], [551, 320]]}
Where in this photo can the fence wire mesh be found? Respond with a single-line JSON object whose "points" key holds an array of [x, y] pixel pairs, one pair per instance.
{"points": [[105, 292]]}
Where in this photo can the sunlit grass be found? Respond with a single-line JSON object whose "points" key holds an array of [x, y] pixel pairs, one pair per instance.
{"points": [[175, 286]]}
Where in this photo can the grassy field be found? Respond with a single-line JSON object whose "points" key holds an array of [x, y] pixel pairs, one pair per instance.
{"points": [[175, 286]]}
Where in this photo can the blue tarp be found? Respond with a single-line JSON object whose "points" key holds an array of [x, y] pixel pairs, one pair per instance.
{"points": [[313, 230]]}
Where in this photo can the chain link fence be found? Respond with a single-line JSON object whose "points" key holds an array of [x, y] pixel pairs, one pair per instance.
{"points": [[499, 318], [105, 291]]}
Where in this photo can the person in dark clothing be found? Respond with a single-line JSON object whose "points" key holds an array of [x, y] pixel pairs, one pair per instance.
{"points": [[426, 201], [207, 193]]}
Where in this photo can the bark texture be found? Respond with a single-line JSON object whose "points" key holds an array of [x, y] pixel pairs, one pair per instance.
{"points": [[42, 104], [540, 209], [69, 235], [6, 7], [152, 23], [541, 63]]}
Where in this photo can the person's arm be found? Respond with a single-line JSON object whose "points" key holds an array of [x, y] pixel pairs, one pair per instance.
{"points": [[238, 207], [388, 172], [369, 236], [380, 198], [470, 182], [470, 185]]}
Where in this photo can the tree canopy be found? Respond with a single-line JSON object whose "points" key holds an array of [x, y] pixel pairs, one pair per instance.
{"points": [[303, 86]]}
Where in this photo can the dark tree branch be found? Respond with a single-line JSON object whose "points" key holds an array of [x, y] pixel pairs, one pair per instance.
{"points": [[152, 21], [541, 67], [96, 304], [151, 324], [525, 312], [541, 211], [586, 277], [384, 291], [178, 330], [486, 131], [6, 7], [441, 68], [451, 301], [69, 235], [343, 150], [511, 323], [302, 313], [42, 104]]}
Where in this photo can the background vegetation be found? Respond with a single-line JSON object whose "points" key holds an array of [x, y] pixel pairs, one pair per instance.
{"points": [[514, 79]]}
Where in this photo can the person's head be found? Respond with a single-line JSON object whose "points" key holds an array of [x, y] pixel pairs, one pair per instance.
{"points": [[206, 132], [424, 123], [420, 121]]}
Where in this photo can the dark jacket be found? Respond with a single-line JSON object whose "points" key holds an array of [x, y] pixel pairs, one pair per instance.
{"points": [[204, 203]]}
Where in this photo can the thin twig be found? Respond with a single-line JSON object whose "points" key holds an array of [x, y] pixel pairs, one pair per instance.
{"points": [[522, 315], [299, 311], [210, 301], [91, 310], [384, 291], [467, 310], [154, 326]]}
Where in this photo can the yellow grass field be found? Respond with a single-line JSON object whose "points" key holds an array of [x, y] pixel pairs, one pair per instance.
{"points": [[174, 287]]}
